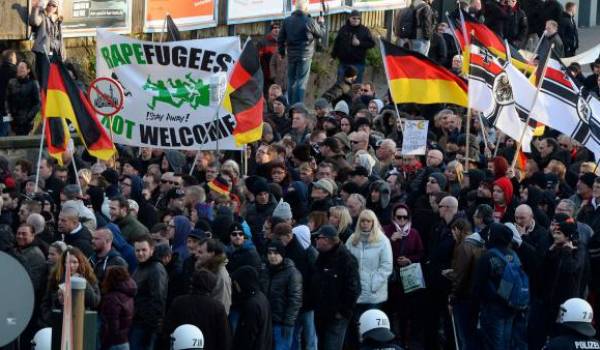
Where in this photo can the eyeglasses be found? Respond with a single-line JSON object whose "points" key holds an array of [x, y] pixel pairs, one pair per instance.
{"points": [[52, 5], [398, 157], [125, 184], [564, 145], [402, 217], [354, 142], [166, 182], [237, 233], [365, 90]]}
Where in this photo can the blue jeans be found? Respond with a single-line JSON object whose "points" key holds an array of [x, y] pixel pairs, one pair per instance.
{"points": [[501, 329], [234, 318], [420, 45], [141, 338], [305, 334], [331, 334], [282, 337], [359, 67], [298, 73]]}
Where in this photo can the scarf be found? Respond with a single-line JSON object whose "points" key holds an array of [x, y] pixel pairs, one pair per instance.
{"points": [[404, 231]]}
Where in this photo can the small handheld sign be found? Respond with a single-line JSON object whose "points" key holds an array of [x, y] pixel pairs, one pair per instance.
{"points": [[106, 96]]}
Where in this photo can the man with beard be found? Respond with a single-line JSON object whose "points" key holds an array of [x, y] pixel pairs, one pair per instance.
{"points": [[211, 256], [130, 227]]}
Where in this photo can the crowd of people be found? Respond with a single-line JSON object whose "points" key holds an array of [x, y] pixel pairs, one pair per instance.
{"points": [[333, 238]]}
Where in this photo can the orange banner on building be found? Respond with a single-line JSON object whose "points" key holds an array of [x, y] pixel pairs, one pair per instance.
{"points": [[187, 14]]}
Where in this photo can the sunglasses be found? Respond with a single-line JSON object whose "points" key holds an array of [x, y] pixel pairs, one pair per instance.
{"points": [[354, 142], [237, 233], [402, 217]]}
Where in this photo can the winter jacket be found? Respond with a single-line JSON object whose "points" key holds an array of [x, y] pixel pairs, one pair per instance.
{"points": [[8, 71], [254, 330], [125, 249], [496, 17], [101, 264], [246, 255], [567, 28], [547, 41], [560, 277], [116, 312], [81, 239], [267, 47], [516, 28], [152, 282], [298, 35], [85, 213], [375, 266], [440, 257], [343, 48], [410, 246], [203, 312], [488, 274], [336, 284], [532, 252], [48, 33], [36, 266], [23, 103], [304, 260], [282, 284], [465, 260], [131, 228], [183, 226], [424, 19], [438, 50]]}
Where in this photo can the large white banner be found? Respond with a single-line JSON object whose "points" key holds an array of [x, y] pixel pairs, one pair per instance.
{"points": [[242, 11], [168, 102]]}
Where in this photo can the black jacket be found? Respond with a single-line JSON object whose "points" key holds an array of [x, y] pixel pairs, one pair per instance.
{"points": [[243, 256], [81, 239], [23, 100], [348, 53], [335, 284], [283, 286], [304, 260], [567, 28], [571, 340], [254, 330], [438, 51], [7, 72], [547, 41], [203, 312], [341, 90], [516, 28], [152, 281], [532, 253], [496, 17], [298, 34], [560, 278]]}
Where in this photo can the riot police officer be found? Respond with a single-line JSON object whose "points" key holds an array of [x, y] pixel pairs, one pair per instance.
{"points": [[576, 330]]}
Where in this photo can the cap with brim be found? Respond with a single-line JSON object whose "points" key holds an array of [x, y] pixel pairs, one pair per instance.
{"points": [[197, 234], [382, 335], [581, 327]]}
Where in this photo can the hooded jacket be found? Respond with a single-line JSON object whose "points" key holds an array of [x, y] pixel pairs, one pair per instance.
{"points": [[101, 265], [304, 260], [254, 330], [222, 291], [125, 249], [198, 308], [246, 255], [183, 226], [257, 214], [116, 312], [282, 285]]}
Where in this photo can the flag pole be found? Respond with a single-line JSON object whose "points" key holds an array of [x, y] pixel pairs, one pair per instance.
{"points": [[39, 161], [469, 109], [535, 97], [483, 133], [164, 28], [399, 120]]}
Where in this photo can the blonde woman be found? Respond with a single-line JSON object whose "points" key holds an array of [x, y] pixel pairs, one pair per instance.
{"points": [[373, 251], [46, 22], [454, 173], [339, 217]]}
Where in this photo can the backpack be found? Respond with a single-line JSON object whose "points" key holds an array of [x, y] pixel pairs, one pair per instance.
{"points": [[514, 283], [406, 27]]}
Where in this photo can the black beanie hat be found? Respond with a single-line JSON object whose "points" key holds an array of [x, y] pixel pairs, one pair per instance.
{"points": [[276, 246], [568, 228], [500, 235]]}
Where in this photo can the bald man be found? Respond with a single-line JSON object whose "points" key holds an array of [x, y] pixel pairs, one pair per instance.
{"points": [[531, 252]]}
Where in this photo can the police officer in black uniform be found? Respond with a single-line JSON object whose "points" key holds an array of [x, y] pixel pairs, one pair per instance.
{"points": [[576, 330], [374, 330]]}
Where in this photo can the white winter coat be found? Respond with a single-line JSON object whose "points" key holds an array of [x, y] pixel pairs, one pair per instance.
{"points": [[375, 264]]}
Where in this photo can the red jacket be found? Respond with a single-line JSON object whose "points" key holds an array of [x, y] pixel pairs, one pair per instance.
{"points": [[116, 311]]}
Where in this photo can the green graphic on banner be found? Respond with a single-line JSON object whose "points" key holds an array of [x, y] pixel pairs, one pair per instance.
{"points": [[193, 92]]}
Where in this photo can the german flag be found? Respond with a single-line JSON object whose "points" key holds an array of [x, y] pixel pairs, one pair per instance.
{"points": [[414, 78], [62, 100], [244, 97]]}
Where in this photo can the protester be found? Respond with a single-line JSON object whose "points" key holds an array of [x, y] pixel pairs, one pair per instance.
{"points": [[351, 45]]}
